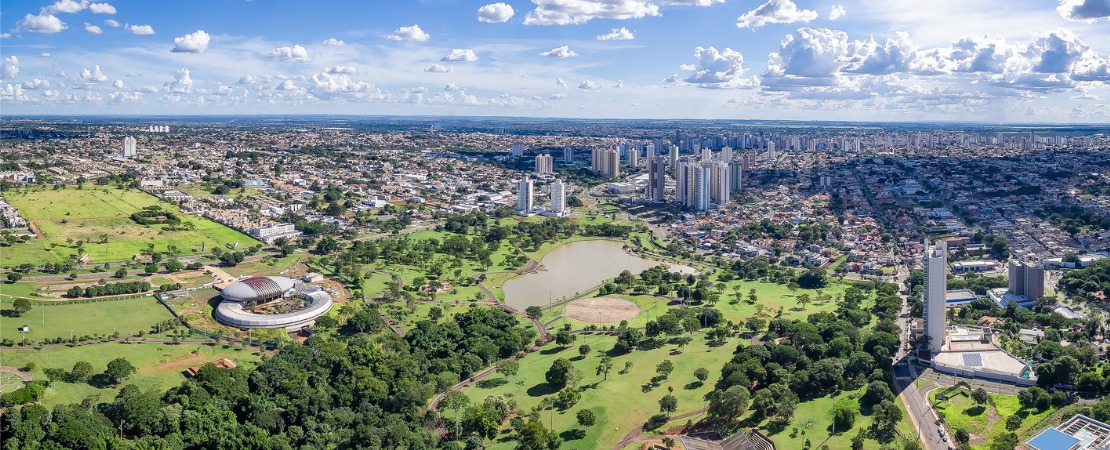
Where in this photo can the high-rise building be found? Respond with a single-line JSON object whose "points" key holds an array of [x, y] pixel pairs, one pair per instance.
{"points": [[726, 154], [129, 150], [706, 154], [771, 151], [672, 156], [692, 184], [650, 149], [545, 164], [701, 188], [558, 198], [1027, 279], [518, 150], [606, 161], [657, 179], [936, 285], [736, 175], [633, 156], [524, 196], [719, 191], [568, 155]]}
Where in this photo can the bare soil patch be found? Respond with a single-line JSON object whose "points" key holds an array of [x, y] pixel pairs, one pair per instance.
{"points": [[601, 310]]}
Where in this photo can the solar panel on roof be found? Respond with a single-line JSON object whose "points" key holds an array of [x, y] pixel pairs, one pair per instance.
{"points": [[973, 360]]}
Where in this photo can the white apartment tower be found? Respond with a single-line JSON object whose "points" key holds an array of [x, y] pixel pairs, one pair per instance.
{"points": [[726, 154], [606, 161], [545, 164], [633, 156], [657, 179], [518, 150], [771, 151], [129, 150], [558, 198], [524, 196], [736, 175], [936, 284], [693, 184], [673, 157], [568, 155], [719, 182]]}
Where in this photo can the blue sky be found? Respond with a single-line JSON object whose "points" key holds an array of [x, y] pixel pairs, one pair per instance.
{"points": [[983, 60]]}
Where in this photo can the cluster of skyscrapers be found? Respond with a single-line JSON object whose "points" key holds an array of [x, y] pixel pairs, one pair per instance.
{"points": [[525, 200]]}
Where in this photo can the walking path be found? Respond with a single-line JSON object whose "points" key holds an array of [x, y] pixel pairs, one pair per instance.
{"points": [[635, 434]]}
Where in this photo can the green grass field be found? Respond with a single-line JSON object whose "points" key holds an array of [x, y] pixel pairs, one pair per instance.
{"points": [[127, 316], [159, 365], [66, 216], [774, 296], [986, 423], [614, 419]]}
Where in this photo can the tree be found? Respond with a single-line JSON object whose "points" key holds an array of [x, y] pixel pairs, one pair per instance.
{"points": [[508, 367], [435, 314], [980, 396], [118, 370], [533, 312], [455, 400], [14, 276], [604, 365], [81, 372], [730, 404], [668, 404], [586, 417], [121, 272], [664, 368], [569, 396], [564, 338], [559, 373], [877, 392], [21, 306], [701, 374], [1013, 422], [534, 436], [961, 435], [844, 417], [584, 350], [755, 324], [151, 268]]}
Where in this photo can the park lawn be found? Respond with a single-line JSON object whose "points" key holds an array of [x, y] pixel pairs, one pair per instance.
{"points": [[774, 296], [160, 366], [813, 420], [960, 412], [93, 212], [264, 266], [528, 387], [21, 289], [127, 316], [376, 284]]}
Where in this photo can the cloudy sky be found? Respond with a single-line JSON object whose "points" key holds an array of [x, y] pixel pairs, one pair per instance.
{"points": [[981, 60]]}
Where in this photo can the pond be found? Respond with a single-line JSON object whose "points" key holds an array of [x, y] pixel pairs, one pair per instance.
{"points": [[573, 268]]}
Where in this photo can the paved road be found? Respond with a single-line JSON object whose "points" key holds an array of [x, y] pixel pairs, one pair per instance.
{"points": [[923, 418]]}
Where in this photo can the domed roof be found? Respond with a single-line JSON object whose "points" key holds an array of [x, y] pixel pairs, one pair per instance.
{"points": [[257, 288]]}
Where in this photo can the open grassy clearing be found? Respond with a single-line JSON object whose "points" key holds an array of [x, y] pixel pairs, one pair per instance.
{"points": [[159, 366], [265, 266], [986, 423], [92, 213], [528, 387], [127, 316], [772, 297]]}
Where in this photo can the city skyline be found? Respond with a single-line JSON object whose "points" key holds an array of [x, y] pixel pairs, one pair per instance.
{"points": [[1012, 62]]}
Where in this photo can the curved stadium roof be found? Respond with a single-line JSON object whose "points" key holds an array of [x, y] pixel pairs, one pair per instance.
{"points": [[257, 288]]}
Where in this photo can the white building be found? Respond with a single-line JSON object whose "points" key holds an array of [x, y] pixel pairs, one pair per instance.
{"points": [[558, 198], [129, 150], [657, 179], [936, 286], [518, 150], [524, 196], [719, 189], [545, 164], [274, 232], [568, 155]]}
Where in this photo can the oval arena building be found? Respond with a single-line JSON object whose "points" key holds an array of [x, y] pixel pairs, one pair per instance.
{"points": [[242, 296]]}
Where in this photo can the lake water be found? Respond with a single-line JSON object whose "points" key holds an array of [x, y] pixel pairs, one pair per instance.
{"points": [[572, 268]]}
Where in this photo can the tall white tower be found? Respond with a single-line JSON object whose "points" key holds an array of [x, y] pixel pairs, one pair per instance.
{"points": [[524, 197], [936, 284], [558, 197], [129, 150], [568, 155]]}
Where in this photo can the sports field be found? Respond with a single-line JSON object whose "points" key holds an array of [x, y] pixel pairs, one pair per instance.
{"points": [[127, 316], [99, 217]]}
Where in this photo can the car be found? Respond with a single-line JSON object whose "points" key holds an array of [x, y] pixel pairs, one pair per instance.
{"points": [[944, 438]]}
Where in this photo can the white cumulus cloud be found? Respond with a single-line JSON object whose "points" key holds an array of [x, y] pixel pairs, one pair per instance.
{"points": [[437, 68], [140, 29], [182, 83], [345, 70], [568, 12], [411, 33], [559, 52], [617, 34], [294, 53], [111, 22], [93, 28], [837, 12], [66, 6], [460, 54], [93, 75], [719, 69], [333, 42], [42, 23], [1084, 10], [587, 85], [102, 8], [495, 13], [10, 67], [195, 42], [775, 11]]}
